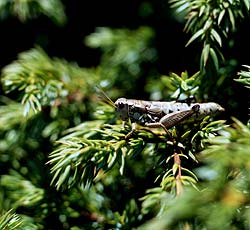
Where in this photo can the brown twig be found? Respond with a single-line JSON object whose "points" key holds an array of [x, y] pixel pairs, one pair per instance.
{"points": [[179, 187]]}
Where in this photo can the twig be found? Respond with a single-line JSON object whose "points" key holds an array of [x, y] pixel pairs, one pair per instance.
{"points": [[179, 187]]}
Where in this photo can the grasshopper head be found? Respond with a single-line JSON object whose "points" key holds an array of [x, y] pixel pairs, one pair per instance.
{"points": [[121, 107]]}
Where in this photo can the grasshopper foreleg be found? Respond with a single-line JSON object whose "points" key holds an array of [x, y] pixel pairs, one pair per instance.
{"points": [[131, 132], [173, 119]]}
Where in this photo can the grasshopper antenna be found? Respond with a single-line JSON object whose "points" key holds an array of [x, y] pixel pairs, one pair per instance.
{"points": [[104, 97]]}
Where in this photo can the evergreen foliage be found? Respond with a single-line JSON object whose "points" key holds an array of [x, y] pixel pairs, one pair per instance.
{"points": [[9, 220], [66, 161], [30, 9], [244, 76], [211, 21], [126, 56]]}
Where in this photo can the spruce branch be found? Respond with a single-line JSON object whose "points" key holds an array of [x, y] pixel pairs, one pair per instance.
{"points": [[177, 164], [223, 192], [21, 191], [9, 220], [244, 76], [125, 53], [43, 81], [11, 114], [210, 22], [30, 9]]}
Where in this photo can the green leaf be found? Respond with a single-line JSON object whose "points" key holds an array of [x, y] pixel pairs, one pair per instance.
{"points": [[247, 4], [205, 54], [9, 220], [184, 85], [178, 4], [208, 24], [121, 170], [216, 36], [189, 179], [195, 36], [231, 17], [214, 58], [112, 159], [191, 22], [63, 176], [221, 15], [202, 10], [175, 168], [26, 10], [190, 154], [168, 180], [191, 173]]}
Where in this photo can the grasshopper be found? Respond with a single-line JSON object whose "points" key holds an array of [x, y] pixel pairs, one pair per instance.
{"points": [[161, 114]]}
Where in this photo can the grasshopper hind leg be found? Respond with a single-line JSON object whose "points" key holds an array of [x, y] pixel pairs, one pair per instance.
{"points": [[172, 119]]}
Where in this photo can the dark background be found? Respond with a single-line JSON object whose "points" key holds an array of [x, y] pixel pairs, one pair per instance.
{"points": [[83, 18]]}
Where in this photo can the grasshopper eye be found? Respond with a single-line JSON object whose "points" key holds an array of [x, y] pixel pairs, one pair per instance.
{"points": [[120, 105]]}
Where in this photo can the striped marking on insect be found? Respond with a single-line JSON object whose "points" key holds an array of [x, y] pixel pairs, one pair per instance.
{"points": [[160, 114], [157, 114]]}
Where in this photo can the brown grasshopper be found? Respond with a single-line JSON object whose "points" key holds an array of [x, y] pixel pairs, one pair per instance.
{"points": [[156, 114]]}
